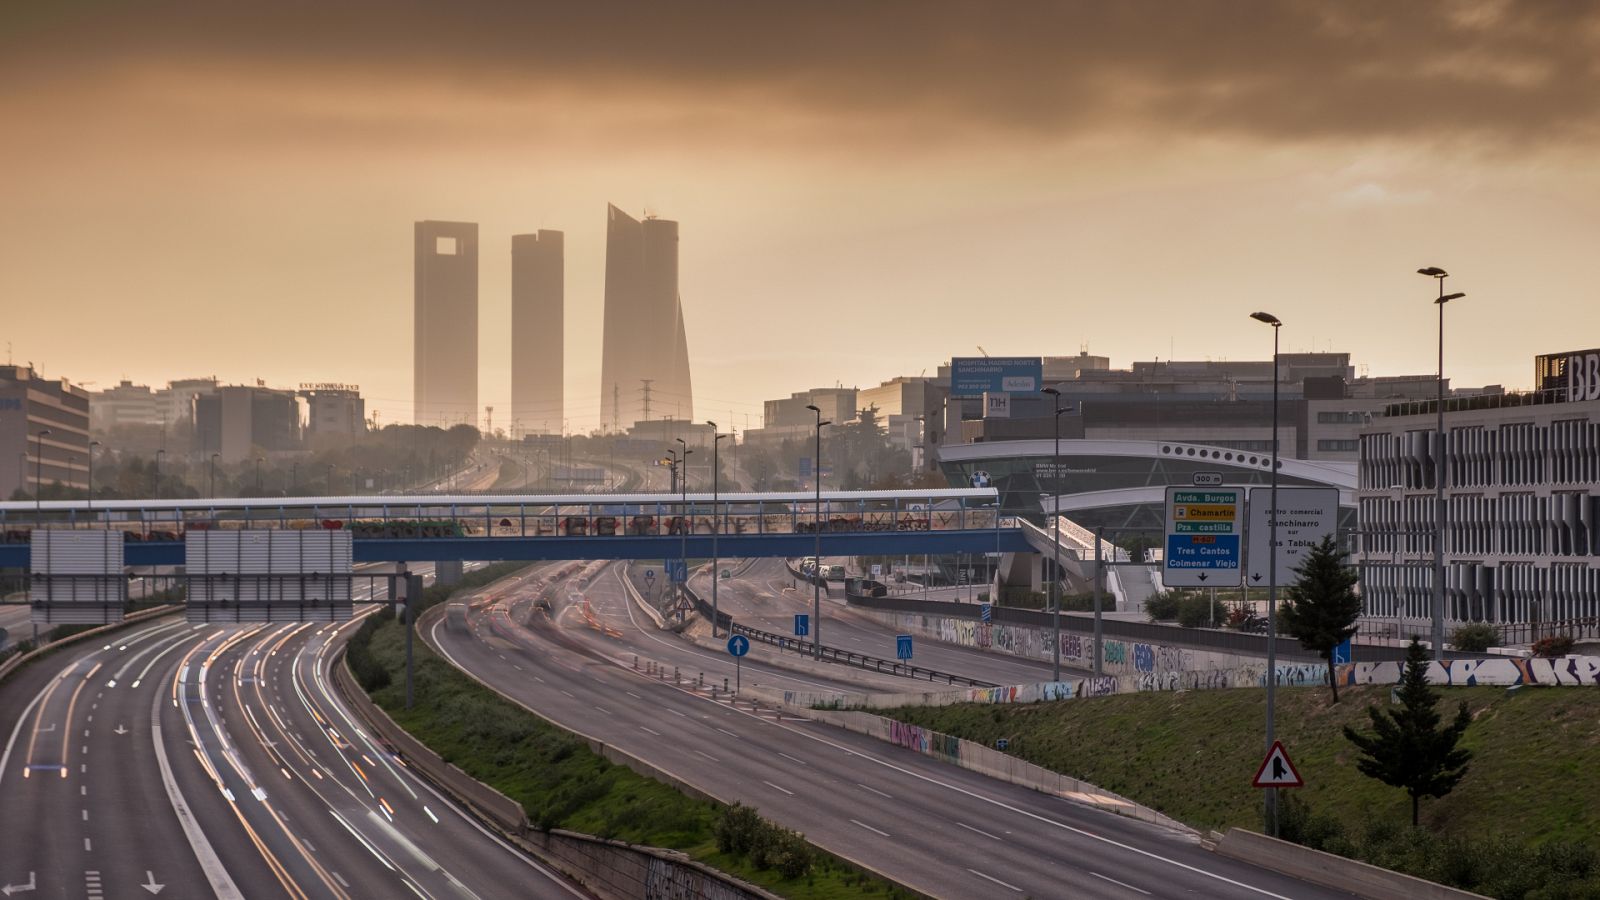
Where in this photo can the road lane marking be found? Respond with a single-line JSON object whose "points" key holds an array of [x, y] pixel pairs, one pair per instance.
{"points": [[1120, 883], [995, 880], [874, 790], [980, 831], [650, 730], [793, 758], [708, 756], [870, 828], [603, 710], [727, 732], [789, 792]]}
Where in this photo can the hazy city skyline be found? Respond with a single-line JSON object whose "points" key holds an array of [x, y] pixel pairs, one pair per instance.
{"points": [[859, 202]]}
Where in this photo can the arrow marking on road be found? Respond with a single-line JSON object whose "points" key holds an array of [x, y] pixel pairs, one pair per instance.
{"points": [[150, 883], [120, 729], [10, 889]]}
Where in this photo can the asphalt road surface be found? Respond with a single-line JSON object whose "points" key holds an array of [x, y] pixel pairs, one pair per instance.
{"points": [[200, 761], [941, 829]]}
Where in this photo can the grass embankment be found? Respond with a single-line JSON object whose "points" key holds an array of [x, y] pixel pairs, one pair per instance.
{"points": [[1530, 799], [561, 783]]}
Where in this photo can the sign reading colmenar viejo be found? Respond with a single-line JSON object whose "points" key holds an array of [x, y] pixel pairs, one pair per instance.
{"points": [[1572, 376]]}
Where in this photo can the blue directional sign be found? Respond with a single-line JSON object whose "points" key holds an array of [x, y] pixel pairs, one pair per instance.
{"points": [[1341, 654], [649, 575], [677, 570], [1205, 532], [974, 376], [902, 646], [986, 611], [802, 624], [738, 645]]}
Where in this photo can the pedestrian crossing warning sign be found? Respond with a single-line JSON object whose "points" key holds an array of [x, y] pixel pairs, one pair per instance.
{"points": [[1276, 770]]}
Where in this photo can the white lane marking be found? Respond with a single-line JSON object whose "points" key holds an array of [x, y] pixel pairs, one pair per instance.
{"points": [[568, 693], [87, 845], [86, 815], [1120, 883], [603, 710], [431, 815], [995, 880], [633, 695], [339, 878], [980, 831], [793, 758], [870, 828], [676, 713], [727, 732], [874, 790], [650, 730], [708, 756], [780, 788]]}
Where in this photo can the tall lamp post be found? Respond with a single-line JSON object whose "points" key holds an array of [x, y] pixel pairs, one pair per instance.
{"points": [[1439, 452], [1272, 572], [1055, 544], [159, 453], [816, 570], [716, 520], [258, 476], [212, 491], [683, 515], [92, 445], [38, 477]]}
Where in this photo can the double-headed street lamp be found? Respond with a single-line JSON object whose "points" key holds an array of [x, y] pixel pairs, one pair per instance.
{"points": [[716, 524], [1272, 571], [683, 516], [816, 553], [1439, 450], [1055, 546]]}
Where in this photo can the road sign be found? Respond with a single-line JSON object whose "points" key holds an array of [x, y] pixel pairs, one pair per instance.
{"points": [[877, 570], [1276, 770], [974, 376], [1205, 530], [649, 577], [738, 645], [902, 646], [1305, 515], [1208, 479], [802, 624], [1341, 653], [677, 570], [986, 611]]}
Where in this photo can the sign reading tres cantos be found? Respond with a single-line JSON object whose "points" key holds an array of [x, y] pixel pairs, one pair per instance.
{"points": [[1205, 531]]}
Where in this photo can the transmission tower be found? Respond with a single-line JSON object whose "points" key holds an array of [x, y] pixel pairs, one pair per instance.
{"points": [[646, 391]]}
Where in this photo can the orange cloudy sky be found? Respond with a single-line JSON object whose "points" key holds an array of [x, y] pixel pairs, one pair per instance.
{"points": [[864, 189]]}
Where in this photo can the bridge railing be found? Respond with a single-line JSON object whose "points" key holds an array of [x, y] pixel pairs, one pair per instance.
{"points": [[572, 516]]}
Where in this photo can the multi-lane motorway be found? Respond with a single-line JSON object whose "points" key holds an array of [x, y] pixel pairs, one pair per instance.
{"points": [[938, 828], [196, 761]]}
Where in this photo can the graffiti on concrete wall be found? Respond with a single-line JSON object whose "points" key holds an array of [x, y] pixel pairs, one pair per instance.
{"points": [[1574, 670], [664, 880]]}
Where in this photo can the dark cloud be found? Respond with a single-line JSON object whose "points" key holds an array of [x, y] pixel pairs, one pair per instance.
{"points": [[1502, 73]]}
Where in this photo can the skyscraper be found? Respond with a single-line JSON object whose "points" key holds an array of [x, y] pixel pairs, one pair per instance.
{"points": [[445, 339], [537, 295], [644, 362]]}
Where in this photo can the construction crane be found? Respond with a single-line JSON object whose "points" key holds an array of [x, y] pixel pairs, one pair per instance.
{"points": [[983, 351]]}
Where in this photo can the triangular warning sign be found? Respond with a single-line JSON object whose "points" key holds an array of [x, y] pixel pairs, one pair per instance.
{"points": [[1276, 770]]}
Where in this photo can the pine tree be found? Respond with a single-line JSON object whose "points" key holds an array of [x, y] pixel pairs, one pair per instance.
{"points": [[1408, 748], [1322, 605]]}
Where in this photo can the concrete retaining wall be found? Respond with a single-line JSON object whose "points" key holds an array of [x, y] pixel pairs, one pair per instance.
{"points": [[17, 661], [1332, 871]]}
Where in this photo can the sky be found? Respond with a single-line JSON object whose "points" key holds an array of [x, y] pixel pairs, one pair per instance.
{"points": [[863, 189]]}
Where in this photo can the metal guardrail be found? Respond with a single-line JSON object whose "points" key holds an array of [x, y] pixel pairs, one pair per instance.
{"points": [[859, 660]]}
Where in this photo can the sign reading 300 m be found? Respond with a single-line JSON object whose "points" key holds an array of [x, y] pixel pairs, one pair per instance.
{"points": [[1205, 528]]}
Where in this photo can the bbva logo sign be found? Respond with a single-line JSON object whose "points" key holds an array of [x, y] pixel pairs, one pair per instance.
{"points": [[1583, 376]]}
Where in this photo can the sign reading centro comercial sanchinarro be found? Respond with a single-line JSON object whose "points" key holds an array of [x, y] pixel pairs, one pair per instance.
{"points": [[1205, 531], [974, 376]]}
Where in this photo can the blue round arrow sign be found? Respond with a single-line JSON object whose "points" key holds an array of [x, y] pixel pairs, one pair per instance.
{"points": [[738, 645]]}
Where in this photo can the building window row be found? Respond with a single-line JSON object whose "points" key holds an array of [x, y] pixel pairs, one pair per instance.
{"points": [[1566, 452], [1565, 523], [1477, 592]]}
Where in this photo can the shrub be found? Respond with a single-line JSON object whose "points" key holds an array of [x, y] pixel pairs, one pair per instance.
{"points": [[1553, 646], [1475, 637], [1163, 606], [1199, 611], [741, 831]]}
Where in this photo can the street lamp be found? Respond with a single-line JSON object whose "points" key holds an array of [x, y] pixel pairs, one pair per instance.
{"points": [[816, 557], [1055, 548], [92, 445], [38, 477], [294, 477], [716, 522], [258, 476], [1439, 275], [213, 490], [159, 453], [684, 518], [1272, 570]]}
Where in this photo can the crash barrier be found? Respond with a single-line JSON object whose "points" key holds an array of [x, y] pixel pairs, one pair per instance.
{"points": [[18, 660], [611, 869], [1329, 870], [993, 763]]}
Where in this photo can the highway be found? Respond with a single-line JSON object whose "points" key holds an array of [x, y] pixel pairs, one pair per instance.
{"points": [[207, 760], [761, 594], [941, 829]]}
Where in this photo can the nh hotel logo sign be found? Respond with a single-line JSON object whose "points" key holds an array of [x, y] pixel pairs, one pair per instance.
{"points": [[1576, 374]]}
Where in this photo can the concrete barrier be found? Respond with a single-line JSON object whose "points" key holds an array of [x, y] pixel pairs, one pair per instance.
{"points": [[17, 661], [1329, 870]]}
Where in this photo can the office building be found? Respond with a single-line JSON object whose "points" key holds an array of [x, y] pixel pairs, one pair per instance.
{"points": [[30, 405], [124, 405], [334, 409], [179, 398], [644, 361], [238, 421], [1522, 506], [837, 405], [537, 301], [445, 332]]}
